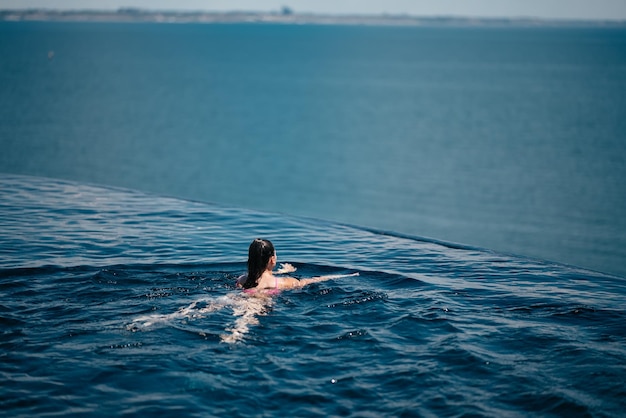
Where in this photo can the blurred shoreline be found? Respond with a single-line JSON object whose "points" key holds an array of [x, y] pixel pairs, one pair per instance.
{"points": [[286, 16]]}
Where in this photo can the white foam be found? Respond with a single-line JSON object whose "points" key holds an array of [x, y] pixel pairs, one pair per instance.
{"points": [[246, 308]]}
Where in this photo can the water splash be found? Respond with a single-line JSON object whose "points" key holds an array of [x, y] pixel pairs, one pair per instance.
{"points": [[246, 309]]}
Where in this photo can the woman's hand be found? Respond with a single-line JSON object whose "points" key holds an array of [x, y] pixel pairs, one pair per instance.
{"points": [[285, 268]]}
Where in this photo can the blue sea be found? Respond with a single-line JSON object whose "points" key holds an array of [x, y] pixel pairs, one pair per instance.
{"points": [[473, 177]]}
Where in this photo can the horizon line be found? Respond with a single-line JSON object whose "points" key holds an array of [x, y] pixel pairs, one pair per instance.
{"points": [[287, 15]]}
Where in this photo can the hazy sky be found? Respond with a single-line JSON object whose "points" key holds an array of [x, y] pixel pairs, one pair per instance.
{"points": [[568, 9]]}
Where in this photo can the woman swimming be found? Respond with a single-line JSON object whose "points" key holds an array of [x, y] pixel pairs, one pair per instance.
{"points": [[260, 277]]}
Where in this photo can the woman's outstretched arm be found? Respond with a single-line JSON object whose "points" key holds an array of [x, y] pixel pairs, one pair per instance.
{"points": [[291, 283]]}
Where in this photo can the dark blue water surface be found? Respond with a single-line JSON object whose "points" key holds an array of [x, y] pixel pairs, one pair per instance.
{"points": [[505, 138], [115, 302]]}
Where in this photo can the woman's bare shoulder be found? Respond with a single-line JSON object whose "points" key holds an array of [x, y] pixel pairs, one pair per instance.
{"points": [[288, 282]]}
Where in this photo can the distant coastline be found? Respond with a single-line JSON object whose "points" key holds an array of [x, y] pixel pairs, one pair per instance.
{"points": [[286, 16]]}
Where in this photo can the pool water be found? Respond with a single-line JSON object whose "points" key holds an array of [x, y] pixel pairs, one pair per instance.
{"points": [[117, 302]]}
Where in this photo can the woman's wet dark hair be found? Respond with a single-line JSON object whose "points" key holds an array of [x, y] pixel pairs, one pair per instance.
{"points": [[259, 254]]}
